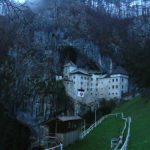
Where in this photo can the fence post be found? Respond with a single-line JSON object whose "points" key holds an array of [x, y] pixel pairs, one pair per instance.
{"points": [[122, 115], [95, 118], [61, 147]]}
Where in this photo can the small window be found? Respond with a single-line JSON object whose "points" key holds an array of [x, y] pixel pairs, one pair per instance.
{"points": [[96, 89], [91, 89], [112, 80], [91, 84], [81, 77], [116, 80], [74, 77], [116, 86], [96, 84], [113, 86], [122, 86], [122, 80], [81, 82], [87, 89], [91, 93], [91, 79]]}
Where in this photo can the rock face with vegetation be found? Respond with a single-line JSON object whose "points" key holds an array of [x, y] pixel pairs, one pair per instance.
{"points": [[36, 43]]}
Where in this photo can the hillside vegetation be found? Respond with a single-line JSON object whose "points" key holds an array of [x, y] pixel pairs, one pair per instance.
{"points": [[139, 110]]}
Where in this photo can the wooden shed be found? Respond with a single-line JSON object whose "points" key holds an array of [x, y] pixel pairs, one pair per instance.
{"points": [[66, 128]]}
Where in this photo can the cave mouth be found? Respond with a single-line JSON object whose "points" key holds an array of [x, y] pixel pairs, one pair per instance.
{"points": [[69, 53]]}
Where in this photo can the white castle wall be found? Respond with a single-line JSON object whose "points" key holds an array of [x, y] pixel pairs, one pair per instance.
{"points": [[95, 86]]}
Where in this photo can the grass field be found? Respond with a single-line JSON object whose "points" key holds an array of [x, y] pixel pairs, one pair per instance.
{"points": [[140, 126], [100, 137]]}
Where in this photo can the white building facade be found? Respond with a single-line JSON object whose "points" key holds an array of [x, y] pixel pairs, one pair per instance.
{"points": [[87, 86]]}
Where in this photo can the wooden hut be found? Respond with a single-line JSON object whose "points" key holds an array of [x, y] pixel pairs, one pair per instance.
{"points": [[66, 128]]}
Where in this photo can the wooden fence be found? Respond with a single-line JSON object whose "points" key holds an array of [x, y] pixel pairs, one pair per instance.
{"points": [[87, 131]]}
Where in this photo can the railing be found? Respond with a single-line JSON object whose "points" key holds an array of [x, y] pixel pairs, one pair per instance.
{"points": [[58, 147], [87, 131], [124, 147], [120, 140], [122, 134], [51, 142], [125, 144]]}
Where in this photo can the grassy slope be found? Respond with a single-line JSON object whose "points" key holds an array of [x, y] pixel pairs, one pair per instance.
{"points": [[140, 127], [100, 137]]}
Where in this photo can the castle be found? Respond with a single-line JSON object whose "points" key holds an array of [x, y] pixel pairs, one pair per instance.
{"points": [[89, 86]]}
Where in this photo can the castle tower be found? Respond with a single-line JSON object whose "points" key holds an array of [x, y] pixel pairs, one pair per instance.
{"points": [[68, 68]]}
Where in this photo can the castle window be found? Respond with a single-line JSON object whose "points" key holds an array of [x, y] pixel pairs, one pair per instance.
{"points": [[112, 80], [87, 89], [113, 86], [81, 77], [122, 80], [122, 87], [116, 80], [91, 79], [116, 86], [96, 84]]}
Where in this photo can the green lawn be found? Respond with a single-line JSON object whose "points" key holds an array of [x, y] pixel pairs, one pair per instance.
{"points": [[140, 126], [100, 137]]}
